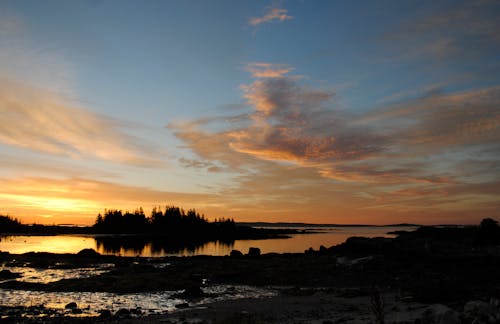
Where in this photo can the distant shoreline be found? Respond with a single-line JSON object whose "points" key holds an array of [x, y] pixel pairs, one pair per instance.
{"points": [[287, 224]]}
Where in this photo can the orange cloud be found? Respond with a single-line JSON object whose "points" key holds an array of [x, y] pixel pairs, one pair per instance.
{"points": [[440, 121], [295, 154], [268, 70], [271, 14], [42, 121]]}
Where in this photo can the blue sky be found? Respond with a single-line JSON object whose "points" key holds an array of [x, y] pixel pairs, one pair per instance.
{"points": [[314, 111]]}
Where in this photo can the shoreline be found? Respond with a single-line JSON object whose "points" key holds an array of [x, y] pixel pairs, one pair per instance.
{"points": [[455, 268]]}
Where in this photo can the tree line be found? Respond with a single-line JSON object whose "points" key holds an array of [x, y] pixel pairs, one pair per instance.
{"points": [[172, 220]]}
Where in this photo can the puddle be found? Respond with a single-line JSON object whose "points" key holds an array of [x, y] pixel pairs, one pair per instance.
{"points": [[37, 275], [91, 303]]}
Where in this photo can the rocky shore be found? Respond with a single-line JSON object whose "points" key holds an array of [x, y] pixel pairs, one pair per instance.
{"points": [[432, 275]]}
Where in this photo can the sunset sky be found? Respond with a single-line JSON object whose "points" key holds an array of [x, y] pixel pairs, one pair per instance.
{"points": [[299, 111]]}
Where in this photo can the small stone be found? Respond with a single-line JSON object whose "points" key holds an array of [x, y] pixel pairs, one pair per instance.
{"points": [[182, 305], [71, 305]]}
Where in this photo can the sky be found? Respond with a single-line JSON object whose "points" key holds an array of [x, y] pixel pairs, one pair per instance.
{"points": [[346, 112]]}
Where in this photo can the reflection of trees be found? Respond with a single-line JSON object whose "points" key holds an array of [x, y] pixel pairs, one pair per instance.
{"points": [[136, 244]]}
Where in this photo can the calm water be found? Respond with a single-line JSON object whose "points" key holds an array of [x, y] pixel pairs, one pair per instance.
{"points": [[128, 246]]}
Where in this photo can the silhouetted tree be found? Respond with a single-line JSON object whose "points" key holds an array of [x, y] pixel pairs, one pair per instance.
{"points": [[9, 225], [489, 231]]}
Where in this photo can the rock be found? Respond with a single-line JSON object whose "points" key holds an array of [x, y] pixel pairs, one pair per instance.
{"points": [[105, 313], [192, 292], [450, 317], [236, 253], [88, 253], [478, 311], [309, 251], [136, 311], [76, 311], [71, 305], [182, 305], [122, 312], [253, 251], [7, 274], [439, 314]]}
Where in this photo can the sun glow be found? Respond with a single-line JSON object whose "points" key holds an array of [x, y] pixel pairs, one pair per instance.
{"points": [[50, 203]]}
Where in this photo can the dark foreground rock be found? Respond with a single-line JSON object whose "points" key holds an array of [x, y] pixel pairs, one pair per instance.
{"points": [[453, 267], [7, 274]]}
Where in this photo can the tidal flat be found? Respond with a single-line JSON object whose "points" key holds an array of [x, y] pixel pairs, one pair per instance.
{"points": [[423, 276]]}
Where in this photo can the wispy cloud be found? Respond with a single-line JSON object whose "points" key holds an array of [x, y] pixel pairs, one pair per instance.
{"points": [[387, 158], [461, 31], [271, 14], [43, 121], [268, 70], [440, 121]]}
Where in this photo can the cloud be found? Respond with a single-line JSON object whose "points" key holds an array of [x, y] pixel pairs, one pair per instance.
{"points": [[295, 153], [291, 122], [43, 121], [197, 164], [441, 121], [10, 24], [271, 14], [460, 30], [268, 70]]}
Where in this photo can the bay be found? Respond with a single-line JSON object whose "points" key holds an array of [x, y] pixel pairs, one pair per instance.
{"points": [[130, 245]]}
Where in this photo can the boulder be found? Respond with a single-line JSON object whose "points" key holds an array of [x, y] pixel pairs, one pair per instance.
{"points": [[7, 274], [236, 253], [105, 313], [122, 312], [88, 253], [192, 292], [253, 251]]}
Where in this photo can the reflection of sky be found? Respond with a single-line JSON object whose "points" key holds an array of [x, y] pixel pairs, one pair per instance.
{"points": [[149, 303], [51, 275], [324, 112], [54, 244], [298, 243]]}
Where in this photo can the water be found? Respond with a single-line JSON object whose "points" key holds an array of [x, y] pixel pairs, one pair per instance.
{"points": [[91, 303], [132, 246]]}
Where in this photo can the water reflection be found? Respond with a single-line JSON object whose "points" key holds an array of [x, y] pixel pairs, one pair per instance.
{"points": [[149, 303], [132, 245], [147, 246]]}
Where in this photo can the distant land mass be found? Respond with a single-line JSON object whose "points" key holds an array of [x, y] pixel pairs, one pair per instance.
{"points": [[172, 222], [287, 224]]}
